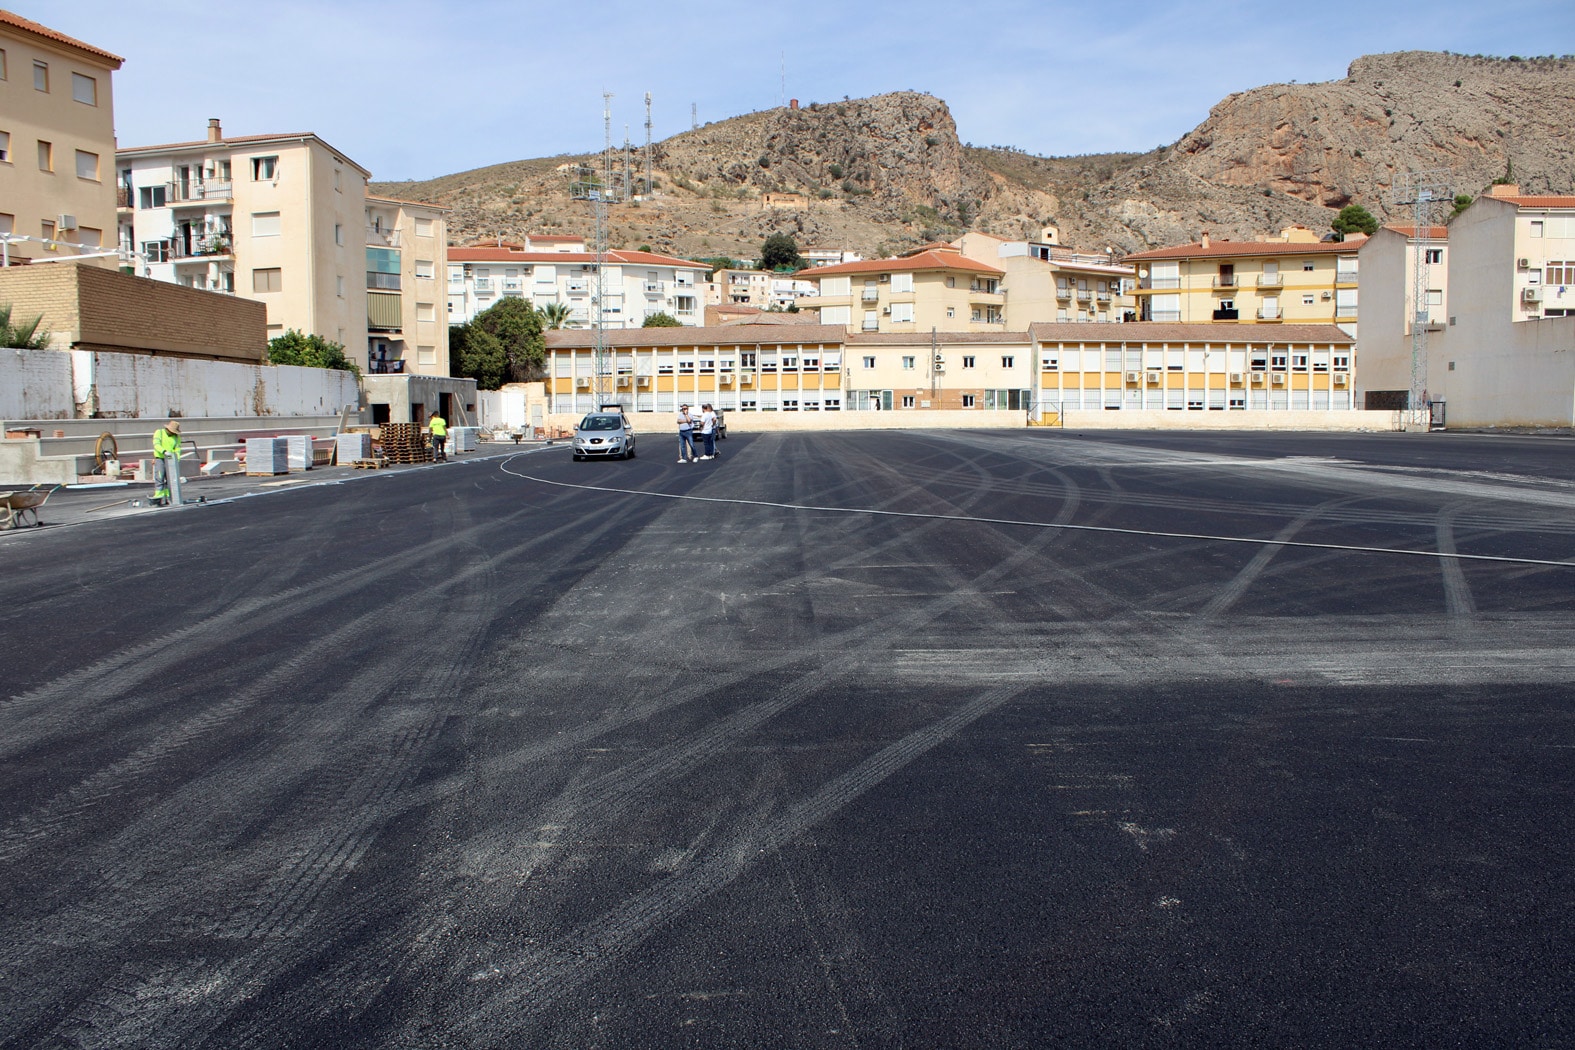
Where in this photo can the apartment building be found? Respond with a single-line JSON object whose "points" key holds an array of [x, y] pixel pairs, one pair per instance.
{"points": [[57, 144], [637, 284], [762, 289], [935, 286], [1048, 282], [749, 368], [406, 300], [281, 219], [952, 370], [1501, 350], [1297, 279]]}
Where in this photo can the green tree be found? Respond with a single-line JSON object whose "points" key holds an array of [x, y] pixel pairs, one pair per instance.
{"points": [[477, 354], [662, 320], [554, 315], [1354, 218], [21, 336], [780, 252], [309, 351], [516, 324], [1462, 202]]}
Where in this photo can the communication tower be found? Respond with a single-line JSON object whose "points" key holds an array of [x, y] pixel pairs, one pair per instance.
{"points": [[1424, 193], [599, 190]]}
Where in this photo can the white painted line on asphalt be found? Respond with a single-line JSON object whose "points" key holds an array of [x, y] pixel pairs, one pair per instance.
{"points": [[1254, 540]]}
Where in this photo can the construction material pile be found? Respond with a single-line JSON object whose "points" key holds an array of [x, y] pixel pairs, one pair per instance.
{"points": [[404, 443]]}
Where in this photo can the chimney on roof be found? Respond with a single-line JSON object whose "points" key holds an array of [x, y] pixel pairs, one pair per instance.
{"points": [[1205, 238], [215, 133], [1503, 189], [792, 103]]}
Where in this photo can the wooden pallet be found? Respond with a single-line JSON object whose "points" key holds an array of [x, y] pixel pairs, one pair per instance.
{"points": [[370, 464]]}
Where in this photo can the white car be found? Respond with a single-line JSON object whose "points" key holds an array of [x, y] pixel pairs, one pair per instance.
{"points": [[604, 435]]}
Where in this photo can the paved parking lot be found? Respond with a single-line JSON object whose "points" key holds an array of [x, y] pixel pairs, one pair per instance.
{"points": [[966, 739]]}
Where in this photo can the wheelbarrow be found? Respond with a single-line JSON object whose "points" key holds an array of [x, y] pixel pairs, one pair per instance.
{"points": [[16, 508]]}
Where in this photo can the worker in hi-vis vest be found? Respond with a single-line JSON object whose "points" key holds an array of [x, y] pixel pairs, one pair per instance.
{"points": [[166, 458], [439, 437]]}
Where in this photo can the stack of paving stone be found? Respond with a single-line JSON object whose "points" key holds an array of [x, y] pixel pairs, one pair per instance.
{"points": [[348, 448], [463, 439], [267, 456], [298, 451], [404, 443]]}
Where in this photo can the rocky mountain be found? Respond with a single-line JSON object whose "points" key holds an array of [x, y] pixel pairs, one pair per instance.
{"points": [[882, 174]]}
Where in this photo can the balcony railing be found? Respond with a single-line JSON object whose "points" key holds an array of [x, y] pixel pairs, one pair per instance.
{"points": [[1159, 282], [484, 284], [1171, 316], [200, 247], [123, 196], [1271, 280], [199, 192], [870, 295], [381, 237], [1270, 313], [385, 282], [655, 287], [1084, 295], [1063, 291], [1227, 315], [1225, 280]]}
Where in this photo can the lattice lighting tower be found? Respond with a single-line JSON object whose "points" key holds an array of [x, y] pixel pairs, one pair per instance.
{"points": [[599, 191], [1423, 192]]}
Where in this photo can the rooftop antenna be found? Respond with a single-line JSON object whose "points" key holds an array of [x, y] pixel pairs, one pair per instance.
{"points": [[782, 94], [694, 116], [1423, 192]]}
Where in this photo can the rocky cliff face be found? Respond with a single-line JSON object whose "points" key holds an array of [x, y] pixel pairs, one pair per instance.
{"points": [[881, 174]]}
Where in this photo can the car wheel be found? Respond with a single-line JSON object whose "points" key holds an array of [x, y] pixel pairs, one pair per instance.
{"points": [[629, 454]]}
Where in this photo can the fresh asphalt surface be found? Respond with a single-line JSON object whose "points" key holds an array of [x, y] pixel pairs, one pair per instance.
{"points": [[1008, 741]]}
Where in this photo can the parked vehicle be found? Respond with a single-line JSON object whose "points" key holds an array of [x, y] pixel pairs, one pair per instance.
{"points": [[604, 435], [721, 424]]}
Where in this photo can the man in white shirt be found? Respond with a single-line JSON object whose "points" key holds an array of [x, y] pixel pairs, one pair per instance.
{"points": [[686, 435], [708, 431]]}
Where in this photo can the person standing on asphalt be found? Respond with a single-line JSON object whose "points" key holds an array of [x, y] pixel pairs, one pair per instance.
{"points": [[166, 457], [439, 438], [708, 431], [686, 435]]}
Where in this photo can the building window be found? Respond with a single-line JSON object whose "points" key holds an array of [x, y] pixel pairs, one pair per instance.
{"points": [[423, 227], [967, 360], [1559, 272], [339, 286], [425, 269], [41, 76], [46, 156], [907, 364], [156, 251], [951, 311], [267, 280], [2, 64], [869, 362], [5, 147], [1307, 299], [1435, 256], [151, 197], [426, 312], [968, 401], [265, 169], [1307, 267], [46, 230], [84, 89], [338, 180], [87, 165], [951, 282], [1536, 228], [7, 222], [1008, 362], [265, 224], [907, 401]]}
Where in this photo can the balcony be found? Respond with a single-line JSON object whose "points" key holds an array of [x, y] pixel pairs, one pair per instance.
{"points": [[1148, 283], [1270, 313], [1103, 295], [384, 312], [187, 194], [655, 287], [123, 196], [376, 280], [1271, 280], [1226, 315], [1166, 316], [381, 237], [200, 248], [1084, 295], [1225, 280], [870, 295], [483, 286], [1063, 292]]}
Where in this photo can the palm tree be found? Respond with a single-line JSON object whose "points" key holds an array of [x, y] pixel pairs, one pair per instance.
{"points": [[554, 315], [22, 336]]}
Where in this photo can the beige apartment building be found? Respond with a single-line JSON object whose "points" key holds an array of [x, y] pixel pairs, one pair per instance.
{"points": [[1046, 281], [281, 219], [1297, 279], [933, 287], [406, 301], [57, 143]]}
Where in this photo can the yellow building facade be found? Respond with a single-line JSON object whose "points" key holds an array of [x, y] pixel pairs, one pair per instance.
{"points": [[406, 291], [934, 287], [57, 143], [1297, 279]]}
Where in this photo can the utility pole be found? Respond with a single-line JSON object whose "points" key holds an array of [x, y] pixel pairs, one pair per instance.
{"points": [[648, 190], [1422, 192]]}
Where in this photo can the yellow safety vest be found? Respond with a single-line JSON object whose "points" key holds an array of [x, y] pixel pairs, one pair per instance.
{"points": [[439, 426], [165, 443]]}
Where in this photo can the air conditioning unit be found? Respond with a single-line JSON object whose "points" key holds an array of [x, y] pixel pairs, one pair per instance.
{"points": [[1340, 378], [1235, 377], [1257, 378], [623, 381], [1523, 262], [1153, 377], [1134, 377], [583, 382], [726, 379], [1326, 296], [1531, 293], [886, 311], [1278, 380], [642, 381], [65, 222], [746, 379]]}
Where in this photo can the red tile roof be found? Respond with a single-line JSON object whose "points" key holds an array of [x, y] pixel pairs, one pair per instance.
{"points": [[942, 257], [1235, 249], [1429, 233], [735, 335], [515, 255], [1203, 332], [1544, 201], [417, 204], [27, 25]]}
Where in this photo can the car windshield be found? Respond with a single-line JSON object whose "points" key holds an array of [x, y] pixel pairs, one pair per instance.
{"points": [[601, 423]]}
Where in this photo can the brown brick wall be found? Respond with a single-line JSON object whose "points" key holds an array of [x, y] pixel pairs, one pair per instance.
{"points": [[107, 310]]}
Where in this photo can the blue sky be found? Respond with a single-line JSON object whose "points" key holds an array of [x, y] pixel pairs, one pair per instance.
{"points": [[417, 88]]}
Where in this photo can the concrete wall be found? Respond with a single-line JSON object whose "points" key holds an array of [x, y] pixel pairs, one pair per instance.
{"points": [[49, 384], [93, 308], [413, 399], [1159, 419]]}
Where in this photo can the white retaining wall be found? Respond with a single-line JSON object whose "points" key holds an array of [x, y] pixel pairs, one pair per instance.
{"points": [[54, 384]]}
